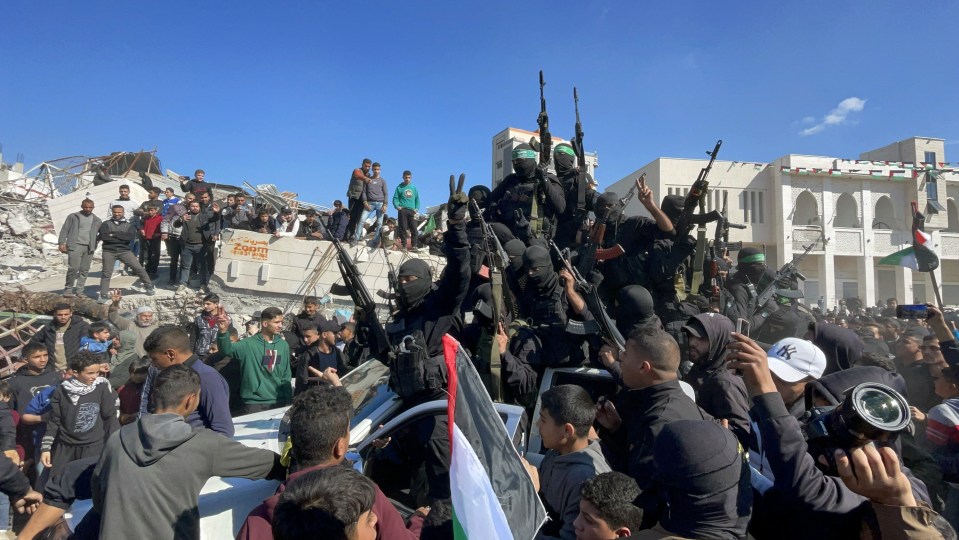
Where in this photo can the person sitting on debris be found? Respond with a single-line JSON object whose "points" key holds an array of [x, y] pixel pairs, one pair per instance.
{"points": [[337, 221], [62, 335], [287, 224], [311, 228], [143, 322], [78, 239], [195, 186], [263, 223], [116, 234], [170, 200]]}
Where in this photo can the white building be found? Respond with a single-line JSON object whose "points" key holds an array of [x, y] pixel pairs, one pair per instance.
{"points": [[505, 141], [862, 204]]}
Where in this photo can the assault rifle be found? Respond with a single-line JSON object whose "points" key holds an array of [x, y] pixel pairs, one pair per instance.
{"points": [[789, 271], [602, 322], [370, 331], [580, 157], [695, 196], [545, 138], [719, 248], [592, 251]]}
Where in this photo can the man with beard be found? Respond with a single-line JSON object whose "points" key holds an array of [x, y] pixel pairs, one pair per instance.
{"points": [[78, 239], [356, 197], [718, 391], [143, 322], [529, 200], [549, 302], [197, 229], [117, 234], [426, 313], [580, 197], [62, 335]]}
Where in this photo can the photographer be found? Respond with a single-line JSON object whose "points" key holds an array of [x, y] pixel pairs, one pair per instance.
{"points": [[802, 502]]}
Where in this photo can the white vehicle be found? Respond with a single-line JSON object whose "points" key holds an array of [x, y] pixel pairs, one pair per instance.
{"points": [[225, 502]]}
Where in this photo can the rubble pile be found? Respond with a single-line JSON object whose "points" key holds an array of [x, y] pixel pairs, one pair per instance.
{"points": [[27, 243]]}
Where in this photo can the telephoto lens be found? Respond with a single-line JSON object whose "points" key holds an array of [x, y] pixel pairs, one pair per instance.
{"points": [[870, 412]]}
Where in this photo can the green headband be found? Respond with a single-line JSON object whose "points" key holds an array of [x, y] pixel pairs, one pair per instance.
{"points": [[524, 154], [757, 258], [563, 149]]}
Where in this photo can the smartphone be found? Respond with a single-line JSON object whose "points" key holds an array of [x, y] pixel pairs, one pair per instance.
{"points": [[912, 311], [742, 327]]}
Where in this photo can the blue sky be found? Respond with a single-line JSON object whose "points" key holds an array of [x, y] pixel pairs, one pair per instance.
{"points": [[297, 93]]}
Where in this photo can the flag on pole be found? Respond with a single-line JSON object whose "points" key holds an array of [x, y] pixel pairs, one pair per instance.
{"points": [[920, 256], [492, 494], [430, 224]]}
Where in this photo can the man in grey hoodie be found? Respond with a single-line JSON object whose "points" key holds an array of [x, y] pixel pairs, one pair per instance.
{"points": [[157, 465], [566, 416]]}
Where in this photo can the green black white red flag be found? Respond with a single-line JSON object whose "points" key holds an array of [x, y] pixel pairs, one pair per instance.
{"points": [[920, 256], [493, 496]]}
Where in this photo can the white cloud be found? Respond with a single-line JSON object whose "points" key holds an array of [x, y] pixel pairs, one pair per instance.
{"points": [[835, 117]]}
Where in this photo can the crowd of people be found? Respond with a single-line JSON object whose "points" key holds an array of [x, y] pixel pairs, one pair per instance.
{"points": [[823, 424]]}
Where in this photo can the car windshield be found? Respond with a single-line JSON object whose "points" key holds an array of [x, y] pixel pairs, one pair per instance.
{"points": [[368, 386]]}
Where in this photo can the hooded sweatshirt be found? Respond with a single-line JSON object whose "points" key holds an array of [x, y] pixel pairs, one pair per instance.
{"points": [[841, 346], [389, 524], [720, 392], [156, 467], [561, 480], [265, 371]]}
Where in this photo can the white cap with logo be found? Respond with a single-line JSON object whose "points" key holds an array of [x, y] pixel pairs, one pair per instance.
{"points": [[792, 360]]}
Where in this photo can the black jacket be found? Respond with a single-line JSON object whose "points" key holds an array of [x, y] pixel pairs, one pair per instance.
{"points": [[12, 482], [116, 235], [841, 346], [720, 392], [71, 338], [24, 385], [303, 322], [312, 357]]}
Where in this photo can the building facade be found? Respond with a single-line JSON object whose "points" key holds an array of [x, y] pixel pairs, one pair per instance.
{"points": [[861, 207], [505, 141]]}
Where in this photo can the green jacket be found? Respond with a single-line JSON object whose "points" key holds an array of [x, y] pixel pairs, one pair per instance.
{"points": [[258, 385]]}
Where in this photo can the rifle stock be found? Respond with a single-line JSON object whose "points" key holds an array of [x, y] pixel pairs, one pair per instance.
{"points": [[369, 328]]}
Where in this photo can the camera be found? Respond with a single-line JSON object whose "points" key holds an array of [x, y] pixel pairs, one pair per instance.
{"points": [[870, 412]]}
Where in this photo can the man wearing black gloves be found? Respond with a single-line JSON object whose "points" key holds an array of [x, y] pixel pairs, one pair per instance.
{"points": [[528, 200], [745, 286], [426, 313], [579, 198]]}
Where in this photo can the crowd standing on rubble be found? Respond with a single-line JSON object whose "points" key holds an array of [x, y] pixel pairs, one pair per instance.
{"points": [[716, 429]]}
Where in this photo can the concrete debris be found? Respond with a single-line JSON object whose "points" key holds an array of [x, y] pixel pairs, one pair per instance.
{"points": [[30, 249]]}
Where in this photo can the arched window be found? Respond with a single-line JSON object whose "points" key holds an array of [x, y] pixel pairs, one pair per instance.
{"points": [[885, 217], [806, 211], [953, 209], [847, 211]]}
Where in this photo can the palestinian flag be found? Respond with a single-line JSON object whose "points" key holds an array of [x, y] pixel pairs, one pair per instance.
{"points": [[430, 224], [492, 494], [920, 256]]}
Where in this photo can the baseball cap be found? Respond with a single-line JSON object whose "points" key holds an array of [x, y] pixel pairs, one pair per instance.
{"points": [[793, 359], [328, 326]]}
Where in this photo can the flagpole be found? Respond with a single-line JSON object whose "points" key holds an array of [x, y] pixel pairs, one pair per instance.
{"points": [[935, 288]]}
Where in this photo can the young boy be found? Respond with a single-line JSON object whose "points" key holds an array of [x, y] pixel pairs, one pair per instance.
{"points": [[83, 413], [566, 415], [100, 343], [320, 354], [606, 508], [336, 503], [33, 377], [131, 393], [150, 236], [159, 463]]}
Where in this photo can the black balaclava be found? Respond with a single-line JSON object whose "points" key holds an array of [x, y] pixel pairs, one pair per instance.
{"points": [[752, 263], [673, 207], [539, 267], [481, 195], [634, 308], [564, 157], [514, 250], [607, 207], [524, 160], [412, 294]]}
